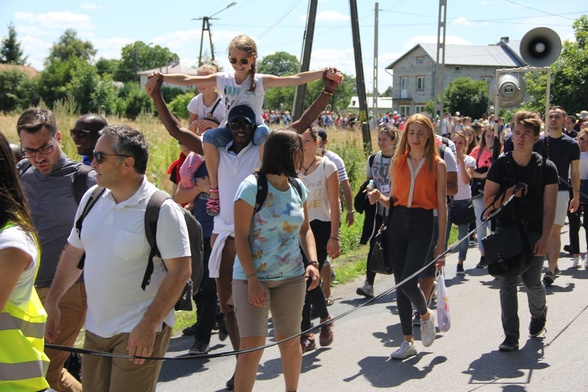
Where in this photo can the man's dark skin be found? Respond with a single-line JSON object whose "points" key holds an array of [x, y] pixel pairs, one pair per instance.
{"points": [[88, 122]]}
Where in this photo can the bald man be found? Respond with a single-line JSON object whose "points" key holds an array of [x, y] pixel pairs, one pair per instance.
{"points": [[85, 134]]}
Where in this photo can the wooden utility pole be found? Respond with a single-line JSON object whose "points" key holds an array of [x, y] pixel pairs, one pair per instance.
{"points": [[305, 62], [361, 96]]}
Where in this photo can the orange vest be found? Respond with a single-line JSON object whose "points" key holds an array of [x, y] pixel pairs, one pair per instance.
{"points": [[424, 190]]}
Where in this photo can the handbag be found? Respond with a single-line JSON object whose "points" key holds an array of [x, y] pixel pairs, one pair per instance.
{"points": [[379, 261], [508, 252], [185, 300], [443, 316], [463, 216]]}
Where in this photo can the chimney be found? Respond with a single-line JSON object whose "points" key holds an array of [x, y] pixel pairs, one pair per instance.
{"points": [[504, 39]]}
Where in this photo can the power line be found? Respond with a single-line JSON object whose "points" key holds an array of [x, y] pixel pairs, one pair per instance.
{"points": [[286, 13], [538, 10]]}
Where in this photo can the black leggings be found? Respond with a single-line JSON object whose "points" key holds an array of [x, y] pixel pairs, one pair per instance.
{"points": [[577, 219], [408, 245], [370, 276], [316, 296]]}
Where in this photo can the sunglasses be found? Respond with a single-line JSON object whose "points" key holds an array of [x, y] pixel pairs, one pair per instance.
{"points": [[240, 125], [243, 60], [79, 133], [99, 156]]}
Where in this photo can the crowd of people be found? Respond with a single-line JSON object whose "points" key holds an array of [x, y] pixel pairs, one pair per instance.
{"points": [[74, 239]]}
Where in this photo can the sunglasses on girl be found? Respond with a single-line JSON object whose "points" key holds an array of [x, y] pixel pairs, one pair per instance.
{"points": [[242, 60], [99, 156]]}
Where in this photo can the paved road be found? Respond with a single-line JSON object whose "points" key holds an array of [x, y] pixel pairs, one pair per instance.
{"points": [[465, 358]]}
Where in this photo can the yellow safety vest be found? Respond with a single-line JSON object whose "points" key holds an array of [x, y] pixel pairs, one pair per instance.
{"points": [[23, 364]]}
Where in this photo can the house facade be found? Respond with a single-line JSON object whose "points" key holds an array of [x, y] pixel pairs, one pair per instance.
{"points": [[172, 68], [413, 80]]}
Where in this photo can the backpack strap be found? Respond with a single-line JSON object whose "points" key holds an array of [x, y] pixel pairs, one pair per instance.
{"points": [[262, 189], [79, 181], [371, 159], [26, 165], [151, 217], [91, 201]]}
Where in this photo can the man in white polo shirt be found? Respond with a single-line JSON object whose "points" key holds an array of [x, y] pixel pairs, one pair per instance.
{"points": [[122, 317]]}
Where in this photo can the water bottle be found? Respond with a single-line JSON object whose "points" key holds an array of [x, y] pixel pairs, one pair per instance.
{"points": [[371, 186]]}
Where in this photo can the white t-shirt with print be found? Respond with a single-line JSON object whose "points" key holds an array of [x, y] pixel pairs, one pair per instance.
{"points": [[238, 94]]}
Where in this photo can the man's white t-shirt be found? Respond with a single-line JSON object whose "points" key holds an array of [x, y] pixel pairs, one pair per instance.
{"points": [[117, 251]]}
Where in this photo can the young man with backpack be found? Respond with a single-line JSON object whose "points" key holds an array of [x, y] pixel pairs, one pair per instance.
{"points": [[126, 314], [54, 185]]}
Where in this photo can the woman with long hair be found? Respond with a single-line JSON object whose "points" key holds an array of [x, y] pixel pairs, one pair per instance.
{"points": [[23, 317], [319, 174], [270, 272], [483, 154], [418, 186]]}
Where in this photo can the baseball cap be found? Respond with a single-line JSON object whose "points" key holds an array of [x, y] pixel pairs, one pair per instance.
{"points": [[242, 111], [322, 134]]}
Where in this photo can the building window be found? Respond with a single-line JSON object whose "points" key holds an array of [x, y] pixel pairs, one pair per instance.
{"points": [[404, 109], [420, 83], [403, 82], [419, 108], [420, 59], [457, 68]]}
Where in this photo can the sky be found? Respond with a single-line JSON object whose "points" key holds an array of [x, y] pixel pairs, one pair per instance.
{"points": [[280, 26]]}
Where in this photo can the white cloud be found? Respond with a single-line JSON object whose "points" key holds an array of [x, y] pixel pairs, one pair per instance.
{"points": [[56, 20], [89, 6], [461, 21], [331, 16]]}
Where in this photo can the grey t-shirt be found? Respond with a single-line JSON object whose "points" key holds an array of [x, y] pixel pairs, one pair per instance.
{"points": [[53, 207]]}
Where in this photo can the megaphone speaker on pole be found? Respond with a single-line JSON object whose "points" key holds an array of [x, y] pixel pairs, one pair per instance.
{"points": [[540, 47]]}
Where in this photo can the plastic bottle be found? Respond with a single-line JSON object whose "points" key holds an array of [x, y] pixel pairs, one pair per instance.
{"points": [[371, 186]]}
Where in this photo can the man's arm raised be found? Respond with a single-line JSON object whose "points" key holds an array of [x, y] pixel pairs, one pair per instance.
{"points": [[171, 123], [314, 110]]}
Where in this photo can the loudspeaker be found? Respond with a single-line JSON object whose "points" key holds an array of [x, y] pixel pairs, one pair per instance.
{"points": [[540, 47], [511, 90]]}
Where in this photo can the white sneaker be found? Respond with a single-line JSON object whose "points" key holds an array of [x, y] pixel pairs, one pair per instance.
{"points": [[576, 262], [428, 330], [406, 350], [367, 290]]}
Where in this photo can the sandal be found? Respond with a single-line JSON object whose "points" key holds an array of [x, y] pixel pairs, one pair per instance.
{"points": [[213, 205], [330, 301]]}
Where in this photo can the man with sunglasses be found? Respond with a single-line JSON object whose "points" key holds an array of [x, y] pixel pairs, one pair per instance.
{"points": [[48, 177], [85, 134], [124, 316]]}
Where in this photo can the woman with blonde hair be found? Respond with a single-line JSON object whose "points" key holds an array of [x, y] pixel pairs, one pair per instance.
{"points": [[418, 186]]}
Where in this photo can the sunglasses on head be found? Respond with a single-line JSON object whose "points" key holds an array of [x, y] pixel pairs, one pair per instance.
{"points": [[240, 125], [242, 60], [79, 133], [99, 156]]}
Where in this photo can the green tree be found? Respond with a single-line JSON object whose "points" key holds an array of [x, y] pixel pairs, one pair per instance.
{"points": [[10, 51], [279, 64], [68, 46], [387, 92], [18, 91], [107, 66], [468, 96], [139, 56]]}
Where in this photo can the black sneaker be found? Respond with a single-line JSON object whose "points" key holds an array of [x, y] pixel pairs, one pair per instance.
{"points": [[230, 385], [189, 331], [482, 263], [510, 344], [548, 278], [223, 333], [460, 270], [199, 348], [537, 325], [568, 249]]}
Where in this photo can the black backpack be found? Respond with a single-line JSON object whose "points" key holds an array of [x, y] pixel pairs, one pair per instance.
{"points": [[151, 217], [79, 178], [262, 189]]}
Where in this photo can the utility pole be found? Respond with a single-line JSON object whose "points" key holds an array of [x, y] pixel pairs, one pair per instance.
{"points": [[206, 27], [375, 77], [361, 96], [305, 61], [439, 75]]}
